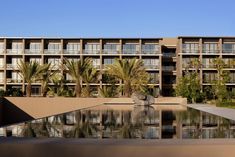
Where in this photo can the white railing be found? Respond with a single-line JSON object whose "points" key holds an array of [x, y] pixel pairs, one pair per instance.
{"points": [[51, 51], [32, 51], [91, 51], [15, 51], [73, 52]]}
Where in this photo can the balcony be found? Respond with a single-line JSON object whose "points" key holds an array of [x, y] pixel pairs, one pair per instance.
{"points": [[150, 52], [32, 51], [15, 51], [71, 52], [110, 51], [52, 51], [210, 51], [96, 52]]}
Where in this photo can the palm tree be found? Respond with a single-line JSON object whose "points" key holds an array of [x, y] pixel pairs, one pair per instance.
{"points": [[90, 76], [108, 91], [28, 130], [46, 77], [30, 72], [77, 69], [131, 72]]}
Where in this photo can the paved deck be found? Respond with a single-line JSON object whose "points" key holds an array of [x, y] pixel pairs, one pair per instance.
{"points": [[218, 111], [116, 147]]}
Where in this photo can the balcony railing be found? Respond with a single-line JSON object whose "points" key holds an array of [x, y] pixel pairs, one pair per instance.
{"points": [[229, 51], [149, 52], [91, 51], [110, 51], [15, 51], [32, 51], [210, 51], [1, 51], [169, 54], [131, 52], [208, 66], [231, 81], [96, 66], [168, 68], [72, 52], [10, 80], [51, 51], [190, 51], [12, 66], [153, 81], [149, 66]]}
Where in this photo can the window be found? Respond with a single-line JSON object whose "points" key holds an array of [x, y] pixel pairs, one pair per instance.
{"points": [[210, 48], [228, 48], [55, 62], [17, 47], [130, 48], [73, 48], [108, 61], [54, 48], [69, 77], [1, 77], [191, 48], [111, 48], [36, 91], [150, 48], [1, 62], [16, 76], [208, 62], [2, 47], [35, 47], [92, 48], [154, 78], [151, 63], [15, 61], [209, 77], [96, 62], [38, 60]]}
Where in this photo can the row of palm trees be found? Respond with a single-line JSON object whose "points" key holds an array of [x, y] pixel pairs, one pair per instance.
{"points": [[130, 71]]}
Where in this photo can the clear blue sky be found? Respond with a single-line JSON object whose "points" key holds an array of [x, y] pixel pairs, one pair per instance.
{"points": [[117, 18]]}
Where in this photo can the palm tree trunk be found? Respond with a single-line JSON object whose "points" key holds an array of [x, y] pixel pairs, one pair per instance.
{"points": [[28, 90], [127, 89], [78, 88]]}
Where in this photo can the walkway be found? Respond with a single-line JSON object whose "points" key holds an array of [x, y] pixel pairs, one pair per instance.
{"points": [[219, 111]]}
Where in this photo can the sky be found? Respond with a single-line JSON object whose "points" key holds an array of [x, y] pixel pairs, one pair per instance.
{"points": [[116, 18]]}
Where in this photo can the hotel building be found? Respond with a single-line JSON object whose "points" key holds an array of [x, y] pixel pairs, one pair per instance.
{"points": [[165, 59]]}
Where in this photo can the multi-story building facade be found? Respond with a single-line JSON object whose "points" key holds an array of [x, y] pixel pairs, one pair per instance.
{"points": [[206, 49], [54, 50], [164, 58]]}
